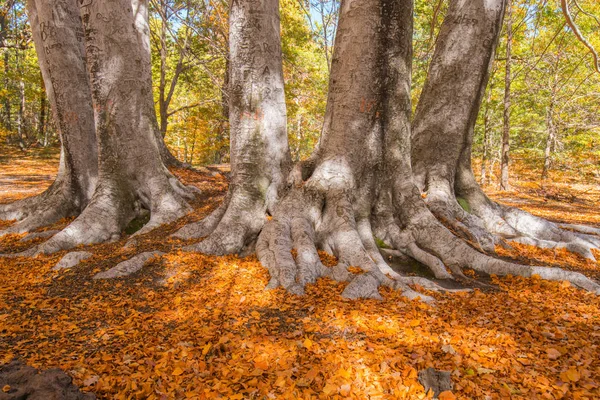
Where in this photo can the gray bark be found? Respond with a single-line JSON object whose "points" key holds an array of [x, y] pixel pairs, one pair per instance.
{"points": [[359, 184], [443, 135], [448, 108], [132, 177], [58, 38], [260, 155], [550, 140]]}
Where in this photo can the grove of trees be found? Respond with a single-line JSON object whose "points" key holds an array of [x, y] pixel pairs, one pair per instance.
{"points": [[349, 128]]}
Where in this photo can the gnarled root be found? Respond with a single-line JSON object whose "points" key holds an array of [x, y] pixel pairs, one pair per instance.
{"points": [[441, 246], [305, 221], [520, 226], [468, 226], [39, 211], [232, 228], [110, 211]]}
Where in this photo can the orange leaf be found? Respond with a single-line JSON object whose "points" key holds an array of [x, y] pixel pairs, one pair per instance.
{"points": [[553, 354], [447, 395]]}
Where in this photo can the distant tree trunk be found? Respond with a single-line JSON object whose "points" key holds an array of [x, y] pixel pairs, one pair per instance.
{"points": [[550, 139], [505, 156], [42, 117], [21, 123], [260, 156], [224, 123], [487, 137], [7, 109], [58, 38], [166, 93]]}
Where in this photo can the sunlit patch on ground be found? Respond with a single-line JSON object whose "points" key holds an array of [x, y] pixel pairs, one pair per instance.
{"points": [[199, 327]]}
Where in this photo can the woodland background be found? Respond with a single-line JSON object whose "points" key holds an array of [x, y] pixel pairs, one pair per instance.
{"points": [[551, 94]]}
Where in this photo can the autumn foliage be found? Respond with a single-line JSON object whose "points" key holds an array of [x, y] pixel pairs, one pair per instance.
{"points": [[190, 326]]}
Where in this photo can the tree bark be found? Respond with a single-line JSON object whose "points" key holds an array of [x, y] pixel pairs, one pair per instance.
{"points": [[131, 175], [58, 38], [260, 157], [505, 152], [443, 136]]}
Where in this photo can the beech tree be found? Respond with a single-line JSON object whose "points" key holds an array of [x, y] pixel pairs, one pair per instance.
{"points": [[98, 53], [378, 185]]}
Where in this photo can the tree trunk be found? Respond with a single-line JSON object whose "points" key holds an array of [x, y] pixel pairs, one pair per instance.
{"points": [[505, 156], [359, 182], [7, 111], [132, 177], [550, 140], [443, 136], [260, 157], [487, 137], [448, 108], [58, 38], [42, 117]]}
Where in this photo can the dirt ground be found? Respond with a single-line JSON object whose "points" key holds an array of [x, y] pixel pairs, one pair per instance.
{"points": [[190, 326]]}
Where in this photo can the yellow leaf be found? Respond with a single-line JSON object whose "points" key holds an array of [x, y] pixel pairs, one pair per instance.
{"points": [[178, 371], [6, 388], [308, 343], [415, 322], [255, 314]]}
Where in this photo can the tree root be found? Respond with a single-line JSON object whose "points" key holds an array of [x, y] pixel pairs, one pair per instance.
{"points": [[305, 221], [232, 228], [526, 228], [129, 267], [339, 233], [39, 211]]}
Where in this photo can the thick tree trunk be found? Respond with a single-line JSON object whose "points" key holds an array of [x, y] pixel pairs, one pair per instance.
{"points": [[132, 177], [58, 38], [505, 151], [359, 182], [448, 108], [443, 136], [260, 157]]}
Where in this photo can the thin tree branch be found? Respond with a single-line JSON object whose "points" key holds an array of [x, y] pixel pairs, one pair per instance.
{"points": [[578, 34]]}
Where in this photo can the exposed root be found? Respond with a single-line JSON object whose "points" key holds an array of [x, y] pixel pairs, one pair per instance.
{"points": [[38, 235], [292, 230], [72, 260], [129, 267], [588, 230], [230, 229], [39, 211], [204, 227], [447, 209]]}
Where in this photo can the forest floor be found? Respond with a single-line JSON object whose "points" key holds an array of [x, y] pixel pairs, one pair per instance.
{"points": [[190, 326]]}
